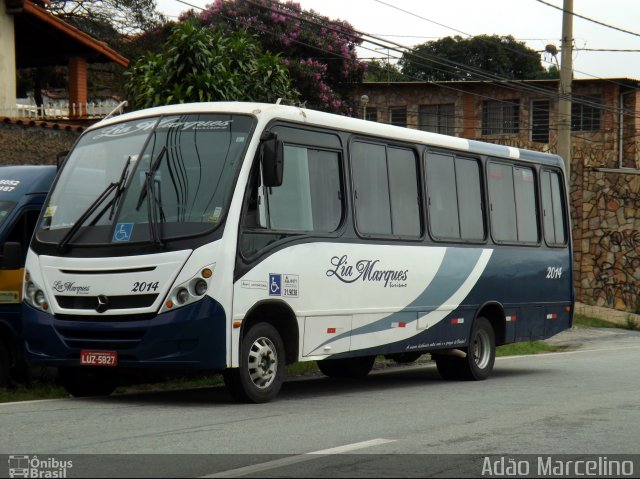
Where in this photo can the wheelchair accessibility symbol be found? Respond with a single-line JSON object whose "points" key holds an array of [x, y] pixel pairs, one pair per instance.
{"points": [[275, 285], [122, 232]]}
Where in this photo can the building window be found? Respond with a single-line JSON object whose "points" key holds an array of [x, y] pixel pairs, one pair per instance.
{"points": [[371, 114], [540, 121], [398, 116], [585, 113], [500, 117], [437, 118]]}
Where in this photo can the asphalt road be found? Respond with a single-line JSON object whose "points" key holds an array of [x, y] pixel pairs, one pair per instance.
{"points": [[396, 422]]}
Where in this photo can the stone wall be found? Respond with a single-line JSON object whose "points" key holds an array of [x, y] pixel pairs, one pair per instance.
{"points": [[34, 143], [610, 240]]}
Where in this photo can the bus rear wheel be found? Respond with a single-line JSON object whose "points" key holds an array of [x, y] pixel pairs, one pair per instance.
{"points": [[347, 368], [262, 366], [86, 382], [479, 360]]}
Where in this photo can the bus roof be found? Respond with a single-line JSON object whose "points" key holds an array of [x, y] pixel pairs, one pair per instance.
{"points": [[18, 181], [266, 112]]}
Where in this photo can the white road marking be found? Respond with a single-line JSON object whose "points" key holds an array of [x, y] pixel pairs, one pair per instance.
{"points": [[309, 456]]}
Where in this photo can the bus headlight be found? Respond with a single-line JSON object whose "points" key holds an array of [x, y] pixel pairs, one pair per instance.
{"points": [[182, 296], [190, 291], [34, 295], [200, 287], [39, 298]]}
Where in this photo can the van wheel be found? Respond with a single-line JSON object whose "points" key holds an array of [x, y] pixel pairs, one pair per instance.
{"points": [[347, 368], [86, 382], [5, 365], [262, 366], [480, 358]]}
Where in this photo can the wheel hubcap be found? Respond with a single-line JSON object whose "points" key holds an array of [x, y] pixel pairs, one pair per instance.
{"points": [[263, 363], [481, 349]]}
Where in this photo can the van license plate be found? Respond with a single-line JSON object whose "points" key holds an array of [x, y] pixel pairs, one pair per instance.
{"points": [[98, 358]]}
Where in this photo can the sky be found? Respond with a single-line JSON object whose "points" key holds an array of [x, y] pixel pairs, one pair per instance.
{"points": [[410, 22]]}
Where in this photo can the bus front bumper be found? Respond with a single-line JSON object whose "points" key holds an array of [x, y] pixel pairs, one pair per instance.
{"points": [[191, 337]]}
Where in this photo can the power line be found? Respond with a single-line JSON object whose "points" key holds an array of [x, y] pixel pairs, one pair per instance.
{"points": [[589, 19], [486, 40], [507, 83]]}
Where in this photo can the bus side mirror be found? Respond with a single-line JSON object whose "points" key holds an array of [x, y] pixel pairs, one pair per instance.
{"points": [[12, 256], [60, 157], [272, 161]]}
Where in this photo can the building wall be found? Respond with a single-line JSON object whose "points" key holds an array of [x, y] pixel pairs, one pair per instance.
{"points": [[7, 60], [25, 144], [605, 199]]}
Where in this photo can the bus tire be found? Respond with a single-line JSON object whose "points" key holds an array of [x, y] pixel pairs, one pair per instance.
{"points": [[262, 366], [5, 365], [86, 382], [479, 360], [481, 353], [347, 367]]}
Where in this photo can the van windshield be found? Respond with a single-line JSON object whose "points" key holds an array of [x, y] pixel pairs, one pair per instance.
{"points": [[5, 208], [170, 176]]}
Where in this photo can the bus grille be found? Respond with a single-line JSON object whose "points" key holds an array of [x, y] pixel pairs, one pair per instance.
{"points": [[115, 302]]}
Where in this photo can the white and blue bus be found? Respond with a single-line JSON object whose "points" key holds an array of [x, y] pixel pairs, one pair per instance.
{"points": [[242, 237]]}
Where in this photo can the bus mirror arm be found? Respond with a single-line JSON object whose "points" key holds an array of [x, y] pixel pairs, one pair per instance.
{"points": [[12, 255], [60, 157], [272, 161]]}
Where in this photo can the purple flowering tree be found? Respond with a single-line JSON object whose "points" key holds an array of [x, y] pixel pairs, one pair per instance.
{"points": [[320, 53]]}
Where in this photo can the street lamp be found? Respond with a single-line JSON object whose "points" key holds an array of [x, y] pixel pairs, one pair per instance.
{"points": [[364, 99]]}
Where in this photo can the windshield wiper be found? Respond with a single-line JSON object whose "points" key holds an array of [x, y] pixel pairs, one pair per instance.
{"points": [[150, 174], [117, 186], [149, 191], [121, 185]]}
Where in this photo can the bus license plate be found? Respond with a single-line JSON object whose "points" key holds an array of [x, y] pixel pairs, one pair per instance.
{"points": [[98, 358]]}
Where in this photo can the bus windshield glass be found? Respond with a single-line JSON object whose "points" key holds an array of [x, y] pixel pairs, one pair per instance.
{"points": [[135, 181]]}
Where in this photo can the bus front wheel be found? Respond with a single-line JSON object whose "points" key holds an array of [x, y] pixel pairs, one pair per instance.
{"points": [[479, 360], [262, 366]]}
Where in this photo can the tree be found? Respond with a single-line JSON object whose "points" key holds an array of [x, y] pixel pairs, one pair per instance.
{"points": [[381, 71], [455, 58], [319, 53], [198, 64], [107, 19]]}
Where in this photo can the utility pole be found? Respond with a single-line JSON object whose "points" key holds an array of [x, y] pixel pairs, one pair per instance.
{"points": [[566, 77]]}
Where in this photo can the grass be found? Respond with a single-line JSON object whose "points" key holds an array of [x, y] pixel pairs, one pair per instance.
{"points": [[583, 321], [528, 347]]}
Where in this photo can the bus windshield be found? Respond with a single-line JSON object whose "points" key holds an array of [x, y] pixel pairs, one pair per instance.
{"points": [[168, 176]]}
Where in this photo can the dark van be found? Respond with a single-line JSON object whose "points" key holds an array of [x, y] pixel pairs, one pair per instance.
{"points": [[23, 190]]}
